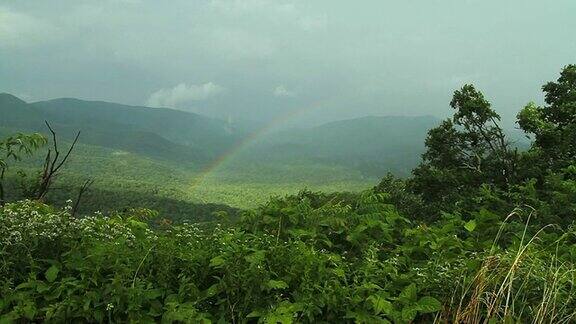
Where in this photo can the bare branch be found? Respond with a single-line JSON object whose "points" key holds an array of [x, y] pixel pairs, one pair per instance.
{"points": [[52, 164], [68, 153], [55, 143], [83, 189]]}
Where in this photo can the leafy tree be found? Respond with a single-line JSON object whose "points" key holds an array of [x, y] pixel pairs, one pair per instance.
{"points": [[13, 148], [465, 151], [554, 125]]}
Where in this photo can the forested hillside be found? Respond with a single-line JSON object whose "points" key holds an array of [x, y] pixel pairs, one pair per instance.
{"points": [[372, 145], [166, 134], [480, 232], [137, 146]]}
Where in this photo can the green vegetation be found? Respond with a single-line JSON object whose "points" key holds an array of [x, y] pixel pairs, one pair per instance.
{"points": [[157, 158], [378, 144], [124, 179], [371, 145], [481, 232]]}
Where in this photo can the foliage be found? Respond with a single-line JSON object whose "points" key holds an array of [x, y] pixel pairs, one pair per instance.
{"points": [[469, 159], [124, 180], [479, 233], [13, 148], [463, 152], [400, 195], [306, 258], [554, 126]]}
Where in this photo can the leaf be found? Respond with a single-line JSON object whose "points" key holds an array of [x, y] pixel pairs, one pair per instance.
{"points": [[276, 284], [409, 313], [25, 285], [279, 318], [29, 311], [152, 294], [339, 272], [86, 305], [254, 314], [409, 293], [212, 290], [470, 226], [429, 305], [381, 305], [217, 261], [256, 258], [52, 273], [42, 287]]}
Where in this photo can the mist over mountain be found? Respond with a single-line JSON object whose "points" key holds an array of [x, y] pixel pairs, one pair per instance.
{"points": [[369, 144], [374, 145]]}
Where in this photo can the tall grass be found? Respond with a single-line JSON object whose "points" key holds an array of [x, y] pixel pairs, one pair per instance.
{"points": [[527, 284]]}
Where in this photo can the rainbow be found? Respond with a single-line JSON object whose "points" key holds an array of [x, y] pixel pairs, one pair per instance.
{"points": [[248, 140]]}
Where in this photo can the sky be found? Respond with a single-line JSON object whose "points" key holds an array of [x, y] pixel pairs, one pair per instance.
{"points": [[301, 61]]}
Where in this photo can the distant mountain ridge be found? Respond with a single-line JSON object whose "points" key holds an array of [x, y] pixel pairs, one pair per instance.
{"points": [[373, 145], [155, 132]]}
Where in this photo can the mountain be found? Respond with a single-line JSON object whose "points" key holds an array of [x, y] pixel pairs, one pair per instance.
{"points": [[175, 125], [154, 132], [16, 113], [158, 157], [374, 145]]}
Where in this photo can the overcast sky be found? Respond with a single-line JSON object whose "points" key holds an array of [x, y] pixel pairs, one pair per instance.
{"points": [[260, 59]]}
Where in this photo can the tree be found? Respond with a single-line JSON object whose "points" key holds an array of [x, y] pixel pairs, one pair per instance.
{"points": [[14, 148], [465, 151], [554, 125], [53, 162]]}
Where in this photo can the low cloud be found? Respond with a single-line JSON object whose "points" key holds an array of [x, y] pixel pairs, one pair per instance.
{"points": [[281, 91], [182, 94]]}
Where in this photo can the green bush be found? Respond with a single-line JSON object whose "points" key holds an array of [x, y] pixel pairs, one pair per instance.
{"points": [[305, 258]]}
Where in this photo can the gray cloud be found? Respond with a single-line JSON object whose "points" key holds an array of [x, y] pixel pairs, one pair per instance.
{"points": [[357, 58]]}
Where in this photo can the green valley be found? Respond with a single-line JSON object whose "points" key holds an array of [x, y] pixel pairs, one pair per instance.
{"points": [[287, 162], [198, 160], [241, 240]]}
